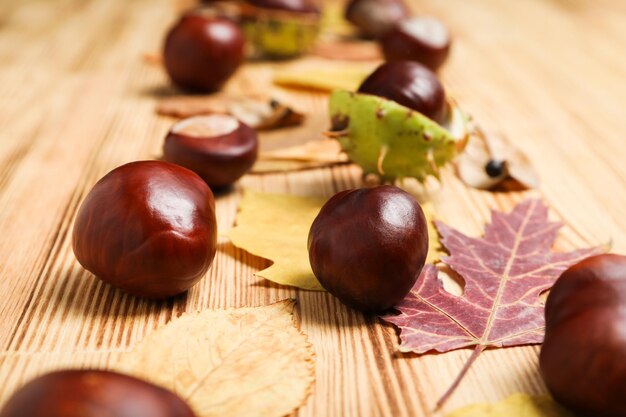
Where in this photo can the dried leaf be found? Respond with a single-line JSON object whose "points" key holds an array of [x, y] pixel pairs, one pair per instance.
{"points": [[504, 272], [349, 50], [323, 76], [517, 405], [256, 111], [276, 227], [238, 362], [484, 147]]}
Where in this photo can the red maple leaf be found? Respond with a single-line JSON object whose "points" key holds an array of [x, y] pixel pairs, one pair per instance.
{"points": [[504, 272]]}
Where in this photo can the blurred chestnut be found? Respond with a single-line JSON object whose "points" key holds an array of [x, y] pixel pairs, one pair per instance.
{"points": [[92, 393], [422, 39], [375, 18], [201, 51], [583, 357], [217, 147], [367, 246], [299, 6], [410, 84], [148, 228]]}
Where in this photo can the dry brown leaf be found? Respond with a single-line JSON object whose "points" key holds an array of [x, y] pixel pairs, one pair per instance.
{"points": [[258, 112], [484, 147], [238, 362], [325, 151]]}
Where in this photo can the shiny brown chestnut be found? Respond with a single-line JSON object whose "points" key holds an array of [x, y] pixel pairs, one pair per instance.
{"points": [[367, 246], [202, 52], [375, 18], [217, 147], [93, 393], [422, 39], [298, 6], [148, 228], [410, 84], [583, 357]]}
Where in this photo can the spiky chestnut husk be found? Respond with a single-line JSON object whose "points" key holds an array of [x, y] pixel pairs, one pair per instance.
{"points": [[392, 141], [278, 33]]}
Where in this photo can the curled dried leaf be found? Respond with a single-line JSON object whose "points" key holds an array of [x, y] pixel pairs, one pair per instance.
{"points": [[238, 362], [256, 111], [490, 160]]}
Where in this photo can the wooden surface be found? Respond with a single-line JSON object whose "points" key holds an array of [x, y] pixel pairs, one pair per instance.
{"points": [[77, 100]]}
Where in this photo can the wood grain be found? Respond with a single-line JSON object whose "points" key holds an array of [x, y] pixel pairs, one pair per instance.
{"points": [[77, 100]]}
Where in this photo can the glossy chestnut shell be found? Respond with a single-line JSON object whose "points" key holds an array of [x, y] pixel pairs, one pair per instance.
{"points": [[219, 148], [375, 18], [92, 393], [297, 6], [367, 246], [410, 84], [583, 357], [201, 52], [148, 228], [421, 39]]}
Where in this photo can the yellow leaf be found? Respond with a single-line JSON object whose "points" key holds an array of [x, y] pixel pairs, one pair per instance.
{"points": [[517, 405], [276, 227], [325, 76], [238, 362]]}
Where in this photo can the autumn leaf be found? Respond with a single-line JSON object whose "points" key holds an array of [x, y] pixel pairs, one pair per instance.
{"points": [[517, 405], [276, 227], [238, 362], [324, 76], [504, 272]]}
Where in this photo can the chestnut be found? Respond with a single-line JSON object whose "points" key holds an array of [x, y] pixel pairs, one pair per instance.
{"points": [[298, 6], [410, 84], [201, 51], [148, 228], [93, 393], [422, 39], [375, 18], [218, 147], [367, 246], [583, 357]]}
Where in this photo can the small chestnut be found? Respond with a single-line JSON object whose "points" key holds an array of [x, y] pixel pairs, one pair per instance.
{"points": [[375, 18], [422, 39], [93, 393], [367, 246], [583, 357], [217, 147], [148, 228], [298, 6], [201, 52], [410, 84]]}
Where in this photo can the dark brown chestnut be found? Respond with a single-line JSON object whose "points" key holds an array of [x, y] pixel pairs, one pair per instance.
{"points": [[367, 246], [410, 84], [93, 393], [201, 52], [217, 147], [422, 39], [148, 228], [298, 6], [374, 18], [583, 357]]}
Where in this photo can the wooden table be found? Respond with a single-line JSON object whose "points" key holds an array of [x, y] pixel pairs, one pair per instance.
{"points": [[77, 100]]}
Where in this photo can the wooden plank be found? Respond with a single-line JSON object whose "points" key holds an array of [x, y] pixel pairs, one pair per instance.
{"points": [[76, 100]]}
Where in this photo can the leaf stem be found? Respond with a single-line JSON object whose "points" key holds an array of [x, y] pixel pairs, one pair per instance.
{"points": [[477, 351]]}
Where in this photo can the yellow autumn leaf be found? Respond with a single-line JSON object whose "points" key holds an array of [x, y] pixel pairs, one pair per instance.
{"points": [[276, 227], [241, 362], [517, 405], [325, 76]]}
